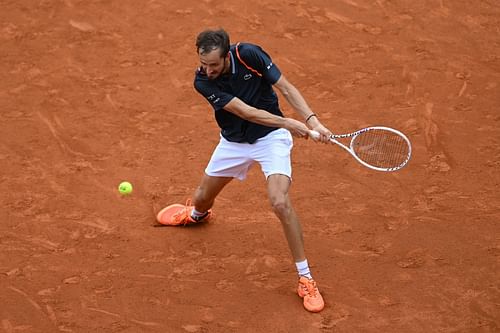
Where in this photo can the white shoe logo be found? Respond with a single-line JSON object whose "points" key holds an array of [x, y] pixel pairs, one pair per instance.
{"points": [[247, 77]]}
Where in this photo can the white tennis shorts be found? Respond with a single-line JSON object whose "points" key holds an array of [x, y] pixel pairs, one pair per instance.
{"points": [[272, 152]]}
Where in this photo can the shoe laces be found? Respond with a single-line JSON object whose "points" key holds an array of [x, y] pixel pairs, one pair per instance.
{"points": [[184, 215], [310, 287]]}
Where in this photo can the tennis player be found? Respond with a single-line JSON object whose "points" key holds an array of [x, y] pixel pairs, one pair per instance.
{"points": [[238, 81]]}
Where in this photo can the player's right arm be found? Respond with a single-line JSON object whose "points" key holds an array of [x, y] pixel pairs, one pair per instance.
{"points": [[299, 104]]}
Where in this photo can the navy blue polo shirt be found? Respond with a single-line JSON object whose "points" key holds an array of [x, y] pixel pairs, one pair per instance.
{"points": [[251, 77]]}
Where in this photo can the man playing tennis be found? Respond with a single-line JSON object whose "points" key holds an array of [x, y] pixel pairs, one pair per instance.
{"points": [[238, 80]]}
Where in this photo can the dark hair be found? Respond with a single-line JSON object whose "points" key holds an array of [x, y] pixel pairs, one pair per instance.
{"points": [[210, 40]]}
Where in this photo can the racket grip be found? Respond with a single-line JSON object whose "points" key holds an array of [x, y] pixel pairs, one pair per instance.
{"points": [[314, 135]]}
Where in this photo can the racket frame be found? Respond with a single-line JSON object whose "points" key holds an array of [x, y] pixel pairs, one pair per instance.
{"points": [[353, 135]]}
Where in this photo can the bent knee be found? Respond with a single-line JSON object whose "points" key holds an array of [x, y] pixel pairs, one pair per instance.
{"points": [[281, 207]]}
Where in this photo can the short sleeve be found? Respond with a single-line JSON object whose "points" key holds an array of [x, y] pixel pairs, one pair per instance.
{"points": [[213, 94], [259, 60]]}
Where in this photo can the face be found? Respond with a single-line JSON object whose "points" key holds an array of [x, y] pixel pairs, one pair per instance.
{"points": [[214, 64]]}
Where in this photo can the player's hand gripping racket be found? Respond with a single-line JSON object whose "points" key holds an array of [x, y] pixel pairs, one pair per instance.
{"points": [[378, 148]]}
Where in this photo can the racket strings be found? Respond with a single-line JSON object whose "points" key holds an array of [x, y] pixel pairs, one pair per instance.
{"points": [[381, 148]]}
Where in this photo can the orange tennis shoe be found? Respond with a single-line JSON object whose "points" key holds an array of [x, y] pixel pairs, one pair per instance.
{"points": [[307, 289], [178, 214]]}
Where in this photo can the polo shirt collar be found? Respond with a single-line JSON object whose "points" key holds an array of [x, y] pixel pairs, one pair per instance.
{"points": [[233, 66]]}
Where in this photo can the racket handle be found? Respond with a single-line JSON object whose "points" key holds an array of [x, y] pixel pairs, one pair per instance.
{"points": [[314, 135]]}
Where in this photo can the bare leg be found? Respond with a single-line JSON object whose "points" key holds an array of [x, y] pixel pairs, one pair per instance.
{"points": [[277, 186], [209, 188]]}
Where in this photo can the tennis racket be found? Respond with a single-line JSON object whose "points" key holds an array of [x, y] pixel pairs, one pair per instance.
{"points": [[378, 148]]}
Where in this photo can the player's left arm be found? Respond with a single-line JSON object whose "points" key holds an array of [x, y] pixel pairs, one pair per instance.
{"points": [[299, 104]]}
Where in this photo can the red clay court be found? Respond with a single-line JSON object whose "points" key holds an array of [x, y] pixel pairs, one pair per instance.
{"points": [[97, 92]]}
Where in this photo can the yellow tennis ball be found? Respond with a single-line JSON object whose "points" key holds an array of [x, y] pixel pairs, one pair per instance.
{"points": [[125, 188]]}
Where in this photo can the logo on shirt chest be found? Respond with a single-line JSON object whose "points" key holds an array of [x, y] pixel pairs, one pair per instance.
{"points": [[247, 77]]}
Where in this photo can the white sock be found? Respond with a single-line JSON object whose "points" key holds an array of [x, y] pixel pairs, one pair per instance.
{"points": [[303, 269], [196, 215]]}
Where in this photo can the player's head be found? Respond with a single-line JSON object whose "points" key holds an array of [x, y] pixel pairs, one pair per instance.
{"points": [[213, 50]]}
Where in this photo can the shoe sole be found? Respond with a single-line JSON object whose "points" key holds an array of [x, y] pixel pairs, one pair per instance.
{"points": [[315, 310], [164, 216]]}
